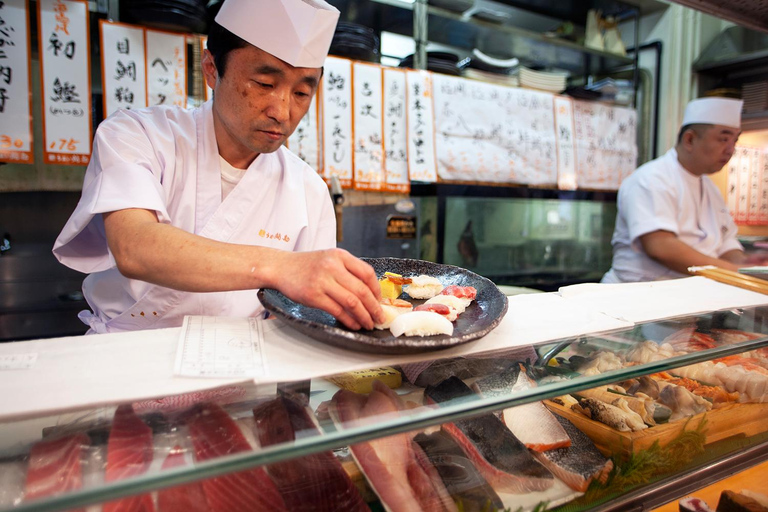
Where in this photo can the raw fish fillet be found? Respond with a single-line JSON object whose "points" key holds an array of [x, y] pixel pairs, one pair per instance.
{"points": [[215, 434], [389, 464], [316, 482], [578, 465], [463, 482], [55, 466], [183, 498], [129, 454], [501, 458], [531, 423]]}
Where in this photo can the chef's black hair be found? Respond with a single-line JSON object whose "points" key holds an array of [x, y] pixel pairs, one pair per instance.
{"points": [[698, 128], [220, 42]]}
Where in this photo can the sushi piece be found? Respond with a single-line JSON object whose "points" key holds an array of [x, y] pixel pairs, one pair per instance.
{"points": [[464, 483], [450, 301], [424, 287], [731, 501], [129, 454], [214, 434], [391, 285], [420, 323], [693, 505], [55, 466], [466, 293], [441, 309], [183, 498], [578, 464], [393, 308], [499, 456]]}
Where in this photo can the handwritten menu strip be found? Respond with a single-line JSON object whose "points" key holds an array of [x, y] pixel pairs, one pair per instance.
{"points": [[166, 68], [421, 127], [745, 159], [369, 148], [304, 141], [66, 86], [395, 135], [123, 66], [337, 120], [762, 216], [605, 140], [15, 84], [747, 186], [566, 149], [753, 217], [493, 133]]}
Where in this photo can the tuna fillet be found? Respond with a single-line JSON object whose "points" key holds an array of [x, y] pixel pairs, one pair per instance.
{"points": [[182, 498], [55, 466], [215, 434], [501, 458], [316, 482], [129, 454]]}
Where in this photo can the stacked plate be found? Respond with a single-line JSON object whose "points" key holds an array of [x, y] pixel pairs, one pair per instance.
{"points": [[543, 80], [755, 96], [439, 62], [355, 42], [495, 78], [176, 15]]}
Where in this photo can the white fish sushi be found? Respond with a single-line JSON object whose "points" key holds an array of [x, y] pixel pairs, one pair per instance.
{"points": [[421, 323], [424, 287], [450, 301], [393, 308]]}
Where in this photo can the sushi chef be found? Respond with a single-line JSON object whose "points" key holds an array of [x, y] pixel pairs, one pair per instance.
{"points": [[670, 214], [190, 212]]}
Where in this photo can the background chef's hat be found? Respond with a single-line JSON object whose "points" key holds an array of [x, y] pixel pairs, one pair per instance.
{"points": [[723, 111], [298, 32]]}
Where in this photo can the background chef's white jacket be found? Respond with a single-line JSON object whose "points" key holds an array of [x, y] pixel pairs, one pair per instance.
{"points": [[662, 195], [166, 159]]}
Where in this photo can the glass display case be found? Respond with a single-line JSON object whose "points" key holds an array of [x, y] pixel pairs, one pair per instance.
{"points": [[603, 421]]}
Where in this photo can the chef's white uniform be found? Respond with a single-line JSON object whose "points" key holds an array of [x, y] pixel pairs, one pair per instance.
{"points": [[662, 195], [166, 159]]}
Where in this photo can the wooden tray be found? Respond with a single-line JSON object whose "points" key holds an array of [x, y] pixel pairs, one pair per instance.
{"points": [[727, 421]]}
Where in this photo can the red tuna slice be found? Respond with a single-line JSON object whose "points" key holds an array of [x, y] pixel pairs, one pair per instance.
{"points": [[390, 463], [215, 434], [129, 454], [55, 466], [440, 309], [182, 498], [462, 292], [313, 483]]}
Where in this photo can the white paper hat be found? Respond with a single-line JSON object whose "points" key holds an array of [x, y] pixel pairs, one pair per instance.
{"points": [[298, 32], [723, 111]]}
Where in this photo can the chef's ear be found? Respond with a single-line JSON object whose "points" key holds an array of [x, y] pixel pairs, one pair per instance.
{"points": [[210, 73]]}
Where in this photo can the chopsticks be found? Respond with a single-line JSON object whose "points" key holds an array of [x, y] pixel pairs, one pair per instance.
{"points": [[722, 275]]}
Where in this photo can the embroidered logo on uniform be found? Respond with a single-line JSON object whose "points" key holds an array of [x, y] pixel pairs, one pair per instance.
{"points": [[274, 236]]}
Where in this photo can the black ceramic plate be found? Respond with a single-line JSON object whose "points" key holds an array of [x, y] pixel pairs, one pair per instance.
{"points": [[480, 318]]}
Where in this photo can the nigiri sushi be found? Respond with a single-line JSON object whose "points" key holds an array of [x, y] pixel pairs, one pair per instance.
{"points": [[466, 293], [424, 287], [450, 301], [421, 323], [393, 308], [441, 309]]}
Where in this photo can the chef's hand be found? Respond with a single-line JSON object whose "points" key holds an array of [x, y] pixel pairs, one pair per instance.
{"points": [[334, 281]]}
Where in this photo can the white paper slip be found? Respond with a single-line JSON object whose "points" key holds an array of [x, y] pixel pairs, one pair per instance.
{"points": [[17, 361], [220, 347]]}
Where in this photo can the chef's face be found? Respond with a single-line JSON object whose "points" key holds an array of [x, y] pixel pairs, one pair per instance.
{"points": [[258, 102], [713, 148]]}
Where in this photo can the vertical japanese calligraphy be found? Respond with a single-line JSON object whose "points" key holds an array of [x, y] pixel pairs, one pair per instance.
{"points": [[605, 140], [123, 67], [367, 119], [166, 68], [747, 186], [66, 85], [421, 127], [203, 47], [304, 141], [566, 162], [395, 135], [336, 97], [15, 83], [493, 133]]}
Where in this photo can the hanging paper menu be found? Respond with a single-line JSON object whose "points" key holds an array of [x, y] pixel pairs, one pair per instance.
{"points": [[337, 120], [15, 86], [166, 68], [395, 135], [606, 147], [123, 66], [66, 86], [421, 127], [566, 163], [304, 140], [493, 133], [369, 148]]}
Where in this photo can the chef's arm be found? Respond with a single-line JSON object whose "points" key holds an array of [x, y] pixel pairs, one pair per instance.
{"points": [[332, 280], [667, 249]]}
